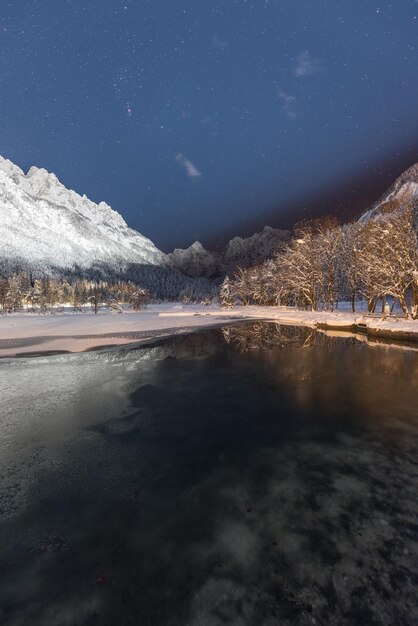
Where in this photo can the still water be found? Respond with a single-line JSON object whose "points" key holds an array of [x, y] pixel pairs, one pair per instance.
{"points": [[251, 475]]}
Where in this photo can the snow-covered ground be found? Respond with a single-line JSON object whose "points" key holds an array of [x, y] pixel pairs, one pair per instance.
{"points": [[22, 333]]}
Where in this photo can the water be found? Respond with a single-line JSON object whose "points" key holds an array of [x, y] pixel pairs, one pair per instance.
{"points": [[254, 475]]}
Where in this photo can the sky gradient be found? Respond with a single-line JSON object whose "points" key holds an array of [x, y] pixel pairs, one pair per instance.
{"points": [[201, 119]]}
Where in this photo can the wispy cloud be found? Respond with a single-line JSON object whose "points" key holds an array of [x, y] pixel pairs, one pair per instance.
{"points": [[189, 166], [219, 43], [307, 65], [288, 104]]}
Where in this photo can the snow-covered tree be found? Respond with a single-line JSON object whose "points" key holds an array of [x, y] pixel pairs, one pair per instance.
{"points": [[225, 294], [4, 290], [113, 304], [139, 298], [328, 236], [388, 257], [95, 297], [414, 295], [349, 279], [300, 267], [241, 286], [15, 293]]}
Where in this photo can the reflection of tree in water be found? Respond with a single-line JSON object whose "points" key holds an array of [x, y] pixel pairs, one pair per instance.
{"points": [[260, 488], [267, 336], [322, 371]]}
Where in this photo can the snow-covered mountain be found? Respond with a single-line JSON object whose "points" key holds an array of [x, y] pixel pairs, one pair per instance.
{"points": [[45, 225], [403, 191], [197, 261]]}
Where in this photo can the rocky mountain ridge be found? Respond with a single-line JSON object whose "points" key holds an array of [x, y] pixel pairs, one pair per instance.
{"points": [[403, 191], [239, 252], [197, 261], [46, 225]]}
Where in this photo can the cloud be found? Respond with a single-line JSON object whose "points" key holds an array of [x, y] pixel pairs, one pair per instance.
{"points": [[306, 65], [288, 104], [219, 43], [189, 166]]}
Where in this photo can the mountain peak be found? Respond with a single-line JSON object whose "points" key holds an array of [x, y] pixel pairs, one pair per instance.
{"points": [[197, 261], [401, 192], [48, 225], [197, 246], [9, 168]]}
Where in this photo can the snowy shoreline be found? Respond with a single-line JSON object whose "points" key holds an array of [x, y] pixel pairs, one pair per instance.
{"points": [[32, 335]]}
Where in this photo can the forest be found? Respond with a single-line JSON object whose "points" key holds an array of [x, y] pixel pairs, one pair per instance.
{"points": [[326, 263], [38, 292], [46, 294]]}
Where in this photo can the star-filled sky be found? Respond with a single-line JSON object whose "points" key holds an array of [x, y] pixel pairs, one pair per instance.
{"points": [[200, 119]]}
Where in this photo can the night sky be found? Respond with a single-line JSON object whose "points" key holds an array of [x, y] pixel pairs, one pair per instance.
{"points": [[200, 119]]}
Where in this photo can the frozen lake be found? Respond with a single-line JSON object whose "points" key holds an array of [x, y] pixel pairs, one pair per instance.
{"points": [[251, 475]]}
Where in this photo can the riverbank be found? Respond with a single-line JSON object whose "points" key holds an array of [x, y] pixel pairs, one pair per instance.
{"points": [[23, 334]]}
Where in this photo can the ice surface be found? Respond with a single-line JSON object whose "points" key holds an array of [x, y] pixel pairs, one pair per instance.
{"points": [[22, 333], [190, 483]]}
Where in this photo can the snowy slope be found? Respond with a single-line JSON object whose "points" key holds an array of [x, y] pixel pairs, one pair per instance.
{"points": [[44, 224], [403, 191], [197, 261]]}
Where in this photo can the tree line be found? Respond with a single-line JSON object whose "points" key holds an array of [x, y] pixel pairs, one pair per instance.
{"points": [[44, 294], [162, 283], [326, 262]]}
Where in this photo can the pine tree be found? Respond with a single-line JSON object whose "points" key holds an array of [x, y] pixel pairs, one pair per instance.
{"points": [[4, 290], [225, 296], [14, 294]]}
